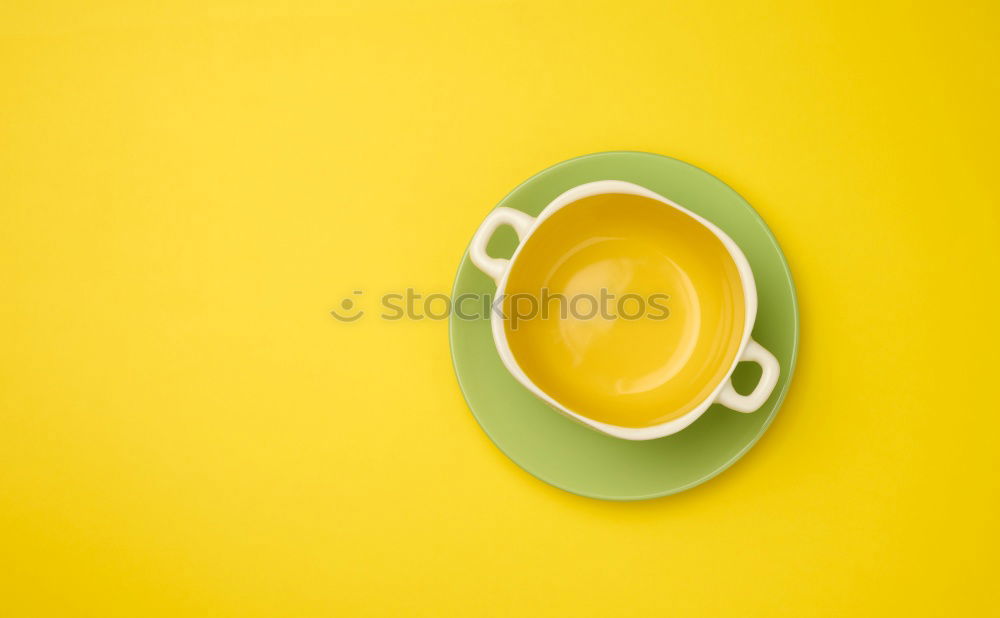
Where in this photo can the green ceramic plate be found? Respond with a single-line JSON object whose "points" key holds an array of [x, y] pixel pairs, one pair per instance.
{"points": [[572, 457]]}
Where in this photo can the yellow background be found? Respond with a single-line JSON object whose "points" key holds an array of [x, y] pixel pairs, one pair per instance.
{"points": [[186, 190]]}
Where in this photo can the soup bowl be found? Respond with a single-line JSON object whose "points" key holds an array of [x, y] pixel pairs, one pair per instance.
{"points": [[680, 389]]}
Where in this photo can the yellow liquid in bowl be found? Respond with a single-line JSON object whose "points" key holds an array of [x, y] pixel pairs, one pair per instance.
{"points": [[615, 367]]}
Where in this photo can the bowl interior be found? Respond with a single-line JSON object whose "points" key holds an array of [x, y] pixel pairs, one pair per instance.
{"points": [[624, 309]]}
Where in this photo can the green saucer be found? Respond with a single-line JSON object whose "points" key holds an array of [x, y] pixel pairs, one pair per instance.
{"points": [[572, 457]]}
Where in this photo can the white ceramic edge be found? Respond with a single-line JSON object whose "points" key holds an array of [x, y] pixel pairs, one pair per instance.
{"points": [[600, 187]]}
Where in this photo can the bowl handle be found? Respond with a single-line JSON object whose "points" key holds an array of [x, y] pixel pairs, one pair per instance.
{"points": [[496, 267], [768, 380]]}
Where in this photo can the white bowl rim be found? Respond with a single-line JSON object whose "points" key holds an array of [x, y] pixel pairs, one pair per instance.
{"points": [[602, 187]]}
